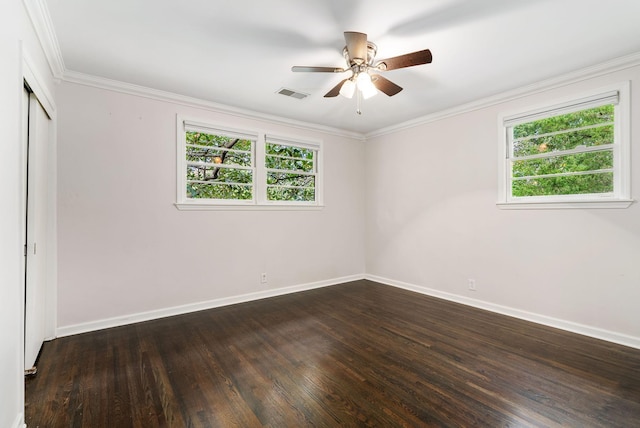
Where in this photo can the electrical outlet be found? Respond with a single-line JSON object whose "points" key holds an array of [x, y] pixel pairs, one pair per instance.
{"points": [[472, 284], [263, 278]]}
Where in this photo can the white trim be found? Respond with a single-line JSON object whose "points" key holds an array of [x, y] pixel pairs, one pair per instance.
{"points": [[622, 88], [550, 205], [201, 206], [585, 330], [621, 195], [44, 95], [260, 178], [199, 306], [36, 83], [181, 165], [40, 18], [614, 65], [258, 155], [568, 105], [198, 125], [158, 95], [186, 124], [51, 313], [315, 145], [570, 326], [598, 70], [289, 140]]}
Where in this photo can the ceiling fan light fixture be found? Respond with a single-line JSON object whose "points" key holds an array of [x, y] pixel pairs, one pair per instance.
{"points": [[366, 86], [359, 55], [348, 88]]}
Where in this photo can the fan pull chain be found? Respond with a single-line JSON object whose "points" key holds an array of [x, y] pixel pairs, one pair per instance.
{"points": [[358, 100]]}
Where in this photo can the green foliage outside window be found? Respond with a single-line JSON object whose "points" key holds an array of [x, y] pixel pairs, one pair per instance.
{"points": [[290, 173], [221, 167], [548, 140], [212, 167]]}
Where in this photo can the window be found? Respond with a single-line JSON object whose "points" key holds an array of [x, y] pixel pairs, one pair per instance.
{"points": [[222, 167], [219, 165], [291, 171], [570, 154]]}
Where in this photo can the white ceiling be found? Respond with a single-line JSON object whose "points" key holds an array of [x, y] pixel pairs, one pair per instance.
{"points": [[239, 53]]}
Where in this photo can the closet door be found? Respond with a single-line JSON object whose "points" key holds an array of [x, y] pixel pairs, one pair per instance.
{"points": [[35, 243]]}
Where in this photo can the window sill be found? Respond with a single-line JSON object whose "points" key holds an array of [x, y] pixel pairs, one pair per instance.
{"points": [[554, 205], [196, 206]]}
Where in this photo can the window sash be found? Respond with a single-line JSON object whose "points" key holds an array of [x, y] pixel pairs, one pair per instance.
{"points": [[186, 126], [559, 110], [314, 148]]}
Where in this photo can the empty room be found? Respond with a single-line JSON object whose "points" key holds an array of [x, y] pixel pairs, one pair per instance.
{"points": [[321, 213]]}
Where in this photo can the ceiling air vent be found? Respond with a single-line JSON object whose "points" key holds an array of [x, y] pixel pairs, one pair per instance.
{"points": [[293, 94]]}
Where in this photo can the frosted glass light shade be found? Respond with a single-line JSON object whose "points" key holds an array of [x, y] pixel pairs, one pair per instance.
{"points": [[365, 85], [348, 88]]}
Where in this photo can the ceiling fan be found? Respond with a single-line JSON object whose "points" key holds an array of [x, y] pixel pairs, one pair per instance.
{"points": [[365, 78]]}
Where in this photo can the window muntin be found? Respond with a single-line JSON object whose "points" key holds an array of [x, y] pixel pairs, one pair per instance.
{"points": [[576, 151], [291, 172]]}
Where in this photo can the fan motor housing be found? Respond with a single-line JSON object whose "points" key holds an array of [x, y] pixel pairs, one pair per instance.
{"points": [[372, 49]]}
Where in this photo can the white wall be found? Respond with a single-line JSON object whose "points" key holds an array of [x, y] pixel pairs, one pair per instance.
{"points": [[11, 366], [124, 248], [433, 223]]}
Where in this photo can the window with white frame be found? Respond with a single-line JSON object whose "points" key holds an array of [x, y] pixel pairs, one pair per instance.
{"points": [[291, 170], [223, 167], [570, 154]]}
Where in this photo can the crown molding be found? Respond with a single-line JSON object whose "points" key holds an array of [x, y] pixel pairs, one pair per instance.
{"points": [[40, 17], [608, 67], [159, 95], [41, 21]]}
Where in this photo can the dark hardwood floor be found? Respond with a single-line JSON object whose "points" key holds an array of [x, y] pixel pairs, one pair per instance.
{"points": [[357, 354]]}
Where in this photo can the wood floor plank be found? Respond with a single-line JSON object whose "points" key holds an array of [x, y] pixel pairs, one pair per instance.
{"points": [[356, 354]]}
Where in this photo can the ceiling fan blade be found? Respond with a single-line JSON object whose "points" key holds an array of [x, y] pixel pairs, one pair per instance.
{"points": [[298, 68], [406, 60], [356, 45], [385, 85], [335, 90]]}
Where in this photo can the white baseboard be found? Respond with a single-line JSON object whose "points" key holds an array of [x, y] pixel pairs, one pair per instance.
{"points": [[194, 307], [19, 422], [610, 336], [573, 327]]}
